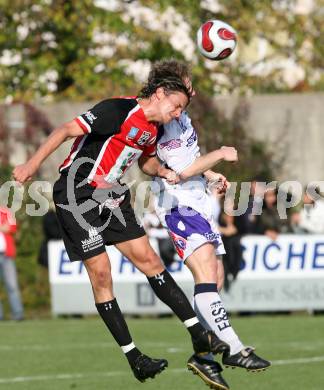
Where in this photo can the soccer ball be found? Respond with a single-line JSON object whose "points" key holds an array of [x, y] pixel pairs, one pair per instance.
{"points": [[216, 40]]}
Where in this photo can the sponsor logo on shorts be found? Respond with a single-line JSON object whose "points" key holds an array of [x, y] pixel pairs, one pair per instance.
{"points": [[132, 133], [90, 116], [94, 241], [211, 236]]}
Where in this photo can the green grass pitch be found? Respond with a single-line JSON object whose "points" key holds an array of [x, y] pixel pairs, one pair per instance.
{"points": [[80, 354]]}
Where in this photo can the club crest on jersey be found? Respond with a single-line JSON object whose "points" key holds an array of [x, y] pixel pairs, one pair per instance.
{"points": [[144, 138], [132, 133], [90, 116]]}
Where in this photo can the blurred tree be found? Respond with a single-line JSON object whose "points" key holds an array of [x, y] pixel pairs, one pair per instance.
{"points": [[52, 48], [215, 129], [94, 48], [34, 126], [34, 289], [34, 284]]}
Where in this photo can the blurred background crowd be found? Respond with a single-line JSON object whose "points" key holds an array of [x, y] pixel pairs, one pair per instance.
{"points": [[307, 217]]}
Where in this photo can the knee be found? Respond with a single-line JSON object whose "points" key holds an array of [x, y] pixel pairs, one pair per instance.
{"points": [[204, 271], [151, 263], [101, 280]]}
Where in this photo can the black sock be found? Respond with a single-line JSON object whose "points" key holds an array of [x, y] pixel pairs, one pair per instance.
{"points": [[170, 293], [132, 355], [114, 319]]}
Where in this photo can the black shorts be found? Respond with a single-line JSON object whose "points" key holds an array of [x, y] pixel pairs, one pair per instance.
{"points": [[90, 218]]}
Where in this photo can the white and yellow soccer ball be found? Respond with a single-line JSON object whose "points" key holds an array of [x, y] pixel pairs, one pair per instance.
{"points": [[216, 40]]}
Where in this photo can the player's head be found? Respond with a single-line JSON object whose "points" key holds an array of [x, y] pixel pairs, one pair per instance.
{"points": [[167, 89], [172, 66]]}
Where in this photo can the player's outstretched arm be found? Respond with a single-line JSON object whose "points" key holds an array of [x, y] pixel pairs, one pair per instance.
{"points": [[203, 163], [24, 172]]}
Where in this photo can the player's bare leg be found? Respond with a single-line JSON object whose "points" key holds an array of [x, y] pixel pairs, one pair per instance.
{"points": [[142, 255], [99, 271]]}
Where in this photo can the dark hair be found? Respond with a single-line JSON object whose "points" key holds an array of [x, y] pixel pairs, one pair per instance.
{"points": [[169, 75], [171, 66]]}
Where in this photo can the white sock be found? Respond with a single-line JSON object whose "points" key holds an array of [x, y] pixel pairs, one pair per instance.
{"points": [[212, 315]]}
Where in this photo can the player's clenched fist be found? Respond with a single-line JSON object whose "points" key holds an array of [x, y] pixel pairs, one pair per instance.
{"points": [[218, 182], [23, 173], [169, 175], [229, 153]]}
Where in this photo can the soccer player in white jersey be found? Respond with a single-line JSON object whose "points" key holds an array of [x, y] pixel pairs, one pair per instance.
{"points": [[186, 210]]}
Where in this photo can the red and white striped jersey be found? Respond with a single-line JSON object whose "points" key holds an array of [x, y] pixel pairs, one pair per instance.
{"points": [[116, 134]]}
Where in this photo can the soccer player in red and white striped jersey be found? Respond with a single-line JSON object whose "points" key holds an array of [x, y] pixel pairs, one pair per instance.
{"points": [[110, 137]]}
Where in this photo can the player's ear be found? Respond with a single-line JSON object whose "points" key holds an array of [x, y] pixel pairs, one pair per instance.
{"points": [[159, 93]]}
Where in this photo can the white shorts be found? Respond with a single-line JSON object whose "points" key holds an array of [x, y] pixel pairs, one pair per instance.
{"points": [[189, 230]]}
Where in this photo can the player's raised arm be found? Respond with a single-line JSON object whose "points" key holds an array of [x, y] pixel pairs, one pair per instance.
{"points": [[203, 163], [24, 172]]}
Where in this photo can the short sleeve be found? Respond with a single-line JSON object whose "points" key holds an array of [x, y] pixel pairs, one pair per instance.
{"points": [[105, 118], [150, 151]]}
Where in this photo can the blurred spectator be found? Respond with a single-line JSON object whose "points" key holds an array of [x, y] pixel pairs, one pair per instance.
{"points": [[51, 231], [233, 258], [154, 229], [269, 222], [7, 264], [310, 219], [246, 223]]}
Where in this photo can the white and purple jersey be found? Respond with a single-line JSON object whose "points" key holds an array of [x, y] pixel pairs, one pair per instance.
{"points": [[186, 209], [178, 144]]}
